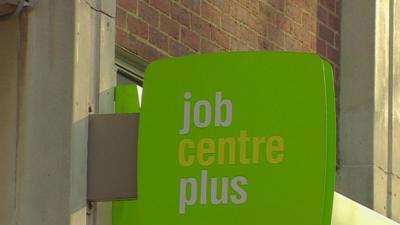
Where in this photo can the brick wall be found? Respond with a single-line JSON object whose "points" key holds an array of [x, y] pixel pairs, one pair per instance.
{"points": [[160, 28]]}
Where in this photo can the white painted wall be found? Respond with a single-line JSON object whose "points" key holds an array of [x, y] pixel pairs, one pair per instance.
{"points": [[348, 212]]}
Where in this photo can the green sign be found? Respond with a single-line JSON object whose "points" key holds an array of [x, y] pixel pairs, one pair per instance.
{"points": [[237, 139], [126, 101]]}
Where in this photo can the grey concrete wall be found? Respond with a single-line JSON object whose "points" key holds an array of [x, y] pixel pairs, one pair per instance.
{"points": [[97, 27], [369, 170], [46, 152], [356, 126], [64, 71], [382, 89], [8, 118], [395, 176]]}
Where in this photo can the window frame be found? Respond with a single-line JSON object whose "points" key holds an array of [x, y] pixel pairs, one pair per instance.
{"points": [[129, 65]]}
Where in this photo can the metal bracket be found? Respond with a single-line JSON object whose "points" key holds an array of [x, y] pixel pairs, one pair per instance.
{"points": [[112, 157]]}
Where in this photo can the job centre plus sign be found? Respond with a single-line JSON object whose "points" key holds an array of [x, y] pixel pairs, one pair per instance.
{"points": [[208, 151], [237, 139]]}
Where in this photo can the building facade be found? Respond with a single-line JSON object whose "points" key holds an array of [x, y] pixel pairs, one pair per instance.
{"points": [[165, 28], [60, 62]]}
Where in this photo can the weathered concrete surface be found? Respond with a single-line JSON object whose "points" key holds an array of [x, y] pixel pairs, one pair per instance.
{"points": [[97, 27], [68, 61], [369, 170], [357, 99], [46, 153], [8, 118], [382, 128], [395, 189]]}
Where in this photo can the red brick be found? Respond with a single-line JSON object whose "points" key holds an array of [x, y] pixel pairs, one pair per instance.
{"points": [[122, 38], [336, 74], [251, 21], [278, 48], [200, 26], [277, 4], [284, 23], [248, 36], [222, 5], [120, 20], [299, 33], [326, 34], [321, 47], [207, 46], [309, 23], [237, 45], [311, 7], [334, 22], [312, 43], [322, 15], [230, 25], [220, 37], [143, 50], [328, 60], [264, 44], [293, 11], [192, 4], [298, 3], [267, 13], [189, 26], [180, 14], [254, 6], [148, 14], [292, 44], [158, 39], [210, 13], [337, 41], [218, 3], [177, 49], [138, 27], [308, 41], [262, 28], [307, 48], [244, 3], [169, 26], [275, 35], [330, 4], [129, 5], [333, 54], [162, 5], [190, 38], [239, 12]]}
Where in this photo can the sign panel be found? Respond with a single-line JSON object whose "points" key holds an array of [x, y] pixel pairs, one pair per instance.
{"points": [[237, 139], [126, 101]]}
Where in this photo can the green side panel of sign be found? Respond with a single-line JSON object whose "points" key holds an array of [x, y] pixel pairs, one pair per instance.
{"points": [[124, 213], [237, 139], [126, 101], [331, 142]]}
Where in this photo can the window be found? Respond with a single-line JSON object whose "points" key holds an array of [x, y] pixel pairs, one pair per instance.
{"points": [[130, 69]]}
